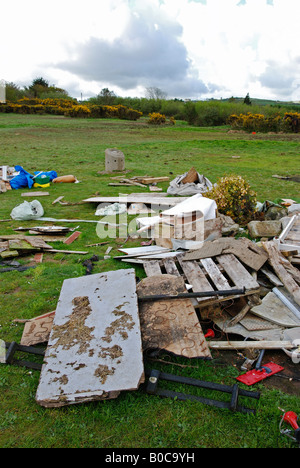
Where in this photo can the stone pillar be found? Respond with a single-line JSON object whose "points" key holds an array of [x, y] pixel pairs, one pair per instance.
{"points": [[114, 160]]}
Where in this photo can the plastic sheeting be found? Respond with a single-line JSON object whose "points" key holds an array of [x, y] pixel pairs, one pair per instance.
{"points": [[177, 187]]}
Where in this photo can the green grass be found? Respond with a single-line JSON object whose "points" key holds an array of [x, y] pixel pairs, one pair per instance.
{"points": [[134, 419]]}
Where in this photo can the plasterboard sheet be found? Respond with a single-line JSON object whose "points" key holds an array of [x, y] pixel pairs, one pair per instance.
{"points": [[94, 350]]}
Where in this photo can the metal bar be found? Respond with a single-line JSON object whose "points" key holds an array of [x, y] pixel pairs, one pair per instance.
{"points": [[206, 401], [14, 347], [190, 295], [235, 391], [295, 310], [204, 384]]}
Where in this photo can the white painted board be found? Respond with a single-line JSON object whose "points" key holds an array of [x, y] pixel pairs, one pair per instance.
{"points": [[95, 350]]}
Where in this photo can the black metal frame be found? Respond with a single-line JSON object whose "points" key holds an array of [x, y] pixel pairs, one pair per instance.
{"points": [[235, 392], [14, 347]]}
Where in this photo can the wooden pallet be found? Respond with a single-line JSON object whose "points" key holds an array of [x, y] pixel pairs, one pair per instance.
{"points": [[224, 272]]}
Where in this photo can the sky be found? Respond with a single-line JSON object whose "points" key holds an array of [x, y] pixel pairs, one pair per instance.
{"points": [[190, 49]]}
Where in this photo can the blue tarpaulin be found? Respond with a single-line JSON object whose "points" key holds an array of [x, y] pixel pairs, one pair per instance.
{"points": [[25, 179]]}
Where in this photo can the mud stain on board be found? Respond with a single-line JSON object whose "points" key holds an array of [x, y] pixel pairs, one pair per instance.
{"points": [[121, 325], [74, 331], [103, 371], [114, 352]]}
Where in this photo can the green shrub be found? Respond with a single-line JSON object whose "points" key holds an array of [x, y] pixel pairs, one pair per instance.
{"points": [[235, 198]]}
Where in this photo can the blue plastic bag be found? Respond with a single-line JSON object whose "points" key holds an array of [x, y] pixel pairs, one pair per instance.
{"points": [[24, 179], [51, 174]]}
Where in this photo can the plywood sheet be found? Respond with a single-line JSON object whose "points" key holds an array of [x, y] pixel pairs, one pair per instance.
{"points": [[94, 350]]}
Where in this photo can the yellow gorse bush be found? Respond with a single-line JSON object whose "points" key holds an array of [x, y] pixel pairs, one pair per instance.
{"points": [[156, 118], [234, 197], [261, 123], [69, 108]]}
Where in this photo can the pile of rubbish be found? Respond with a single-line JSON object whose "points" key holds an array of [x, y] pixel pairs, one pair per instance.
{"points": [[209, 285], [15, 178]]}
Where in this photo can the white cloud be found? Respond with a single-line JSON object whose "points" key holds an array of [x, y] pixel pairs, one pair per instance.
{"points": [[188, 48]]}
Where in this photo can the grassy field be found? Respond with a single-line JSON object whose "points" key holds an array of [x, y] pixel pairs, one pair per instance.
{"points": [[135, 419]]}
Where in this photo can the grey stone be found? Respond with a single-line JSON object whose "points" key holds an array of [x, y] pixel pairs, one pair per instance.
{"points": [[264, 228]]}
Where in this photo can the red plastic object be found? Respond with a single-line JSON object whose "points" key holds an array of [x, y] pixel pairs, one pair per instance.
{"points": [[210, 334], [256, 375], [291, 418]]}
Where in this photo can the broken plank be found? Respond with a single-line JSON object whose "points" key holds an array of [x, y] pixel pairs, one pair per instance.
{"points": [[57, 200], [170, 266], [95, 349], [78, 252], [195, 277], [237, 272], [215, 274], [285, 271], [35, 194], [152, 268], [262, 344], [72, 237]]}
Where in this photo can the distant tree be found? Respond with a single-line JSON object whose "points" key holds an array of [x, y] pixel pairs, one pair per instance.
{"points": [[40, 82], [13, 92], [41, 89], [247, 100], [107, 97], [155, 93]]}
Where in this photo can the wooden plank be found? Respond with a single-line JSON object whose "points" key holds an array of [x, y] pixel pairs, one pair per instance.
{"points": [[95, 349], [171, 325], [214, 272], [35, 194], [262, 344], [275, 311], [38, 258], [195, 276], [170, 267], [72, 238], [37, 330], [152, 268], [285, 271], [237, 272], [78, 252]]}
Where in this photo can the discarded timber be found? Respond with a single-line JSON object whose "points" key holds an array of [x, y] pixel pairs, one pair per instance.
{"points": [[262, 344], [78, 252], [37, 330], [286, 272], [94, 350], [290, 236], [170, 324], [225, 273], [35, 194], [245, 250]]}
